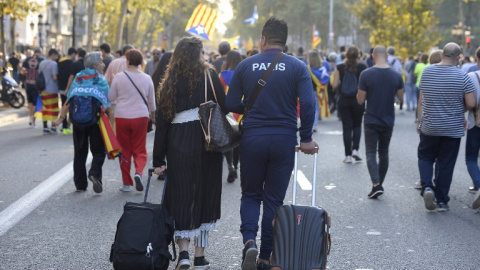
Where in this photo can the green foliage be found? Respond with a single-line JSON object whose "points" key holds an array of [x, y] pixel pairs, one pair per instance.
{"points": [[408, 25], [18, 9]]}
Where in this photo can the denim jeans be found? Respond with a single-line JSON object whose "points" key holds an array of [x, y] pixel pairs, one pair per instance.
{"points": [[377, 138], [471, 154], [351, 115], [443, 152], [411, 96]]}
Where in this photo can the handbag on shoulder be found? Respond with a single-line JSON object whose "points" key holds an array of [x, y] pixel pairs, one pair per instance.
{"points": [[221, 131]]}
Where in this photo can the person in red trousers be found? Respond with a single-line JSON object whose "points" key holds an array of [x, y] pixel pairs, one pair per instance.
{"points": [[133, 92]]}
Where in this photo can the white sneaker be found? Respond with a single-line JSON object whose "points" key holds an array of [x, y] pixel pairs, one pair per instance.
{"points": [[418, 185], [356, 156], [348, 159], [125, 188]]}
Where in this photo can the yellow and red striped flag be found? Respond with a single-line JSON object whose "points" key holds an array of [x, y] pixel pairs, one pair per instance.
{"points": [[202, 22], [315, 37]]}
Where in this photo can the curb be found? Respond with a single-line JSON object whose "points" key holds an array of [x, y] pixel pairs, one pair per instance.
{"points": [[11, 115]]}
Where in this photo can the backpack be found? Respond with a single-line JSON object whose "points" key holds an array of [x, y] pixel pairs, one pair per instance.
{"points": [[40, 82], [349, 86], [84, 111], [144, 233]]}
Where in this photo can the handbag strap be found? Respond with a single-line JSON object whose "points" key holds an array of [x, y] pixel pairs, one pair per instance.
{"points": [[261, 83], [207, 74], [140, 93]]}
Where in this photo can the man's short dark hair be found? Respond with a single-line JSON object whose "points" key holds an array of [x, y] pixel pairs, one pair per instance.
{"points": [[81, 53], [224, 48], [275, 31], [126, 48], [300, 50], [72, 51], [285, 49], [477, 53], [391, 50], [105, 47], [119, 52], [52, 52]]}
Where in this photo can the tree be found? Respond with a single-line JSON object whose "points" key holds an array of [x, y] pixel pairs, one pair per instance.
{"points": [[17, 10], [408, 25]]}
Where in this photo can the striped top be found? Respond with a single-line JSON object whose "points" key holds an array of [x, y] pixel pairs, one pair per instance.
{"points": [[443, 105]]}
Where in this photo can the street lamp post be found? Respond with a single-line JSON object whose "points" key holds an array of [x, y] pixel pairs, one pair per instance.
{"points": [[40, 28]]}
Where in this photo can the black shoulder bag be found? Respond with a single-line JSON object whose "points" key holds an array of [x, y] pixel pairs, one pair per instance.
{"points": [[150, 123], [260, 84]]}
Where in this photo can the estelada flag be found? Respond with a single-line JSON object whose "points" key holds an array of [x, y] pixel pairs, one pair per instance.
{"points": [[225, 78], [111, 143], [315, 37], [202, 22]]}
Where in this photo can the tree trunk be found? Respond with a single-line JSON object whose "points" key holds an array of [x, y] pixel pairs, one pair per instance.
{"points": [[13, 41], [91, 11], [121, 23], [134, 27], [74, 25], [2, 41]]}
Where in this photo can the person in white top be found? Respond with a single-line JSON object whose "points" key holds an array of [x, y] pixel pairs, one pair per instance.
{"points": [[133, 92]]}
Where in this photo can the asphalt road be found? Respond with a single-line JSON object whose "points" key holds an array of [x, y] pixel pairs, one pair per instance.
{"points": [[72, 230]]}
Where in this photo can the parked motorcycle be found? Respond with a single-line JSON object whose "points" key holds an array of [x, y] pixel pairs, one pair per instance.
{"points": [[10, 92]]}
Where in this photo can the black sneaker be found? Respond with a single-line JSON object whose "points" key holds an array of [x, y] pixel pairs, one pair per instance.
{"points": [[473, 189], [376, 192], [476, 201], [262, 266], [249, 257], [46, 131], [200, 263], [183, 261], [231, 175], [442, 207], [429, 199], [138, 182], [97, 185]]}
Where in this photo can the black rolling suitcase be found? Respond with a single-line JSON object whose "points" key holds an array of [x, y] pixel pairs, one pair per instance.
{"points": [[301, 237], [144, 233]]}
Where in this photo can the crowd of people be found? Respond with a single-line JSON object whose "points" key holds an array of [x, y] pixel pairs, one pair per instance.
{"points": [[168, 89]]}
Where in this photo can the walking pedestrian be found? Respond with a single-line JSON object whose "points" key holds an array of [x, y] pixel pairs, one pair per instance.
{"points": [[118, 65], [411, 97], [49, 69], [223, 49], [351, 113], [194, 185], [417, 73], [269, 134], [65, 69], [472, 146], [106, 55], [14, 62], [228, 69], [90, 136], [30, 71], [153, 63], [132, 91], [320, 75], [378, 86], [446, 93]]}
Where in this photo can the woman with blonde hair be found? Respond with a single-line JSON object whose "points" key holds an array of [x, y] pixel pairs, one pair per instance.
{"points": [[194, 176]]}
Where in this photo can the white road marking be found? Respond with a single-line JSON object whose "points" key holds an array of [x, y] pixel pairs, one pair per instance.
{"points": [[303, 181], [30, 201]]}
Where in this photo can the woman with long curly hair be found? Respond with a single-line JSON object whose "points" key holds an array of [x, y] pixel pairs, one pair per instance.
{"points": [[194, 185], [351, 114]]}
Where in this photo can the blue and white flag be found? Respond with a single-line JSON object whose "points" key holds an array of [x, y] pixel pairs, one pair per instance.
{"points": [[199, 31], [254, 18]]}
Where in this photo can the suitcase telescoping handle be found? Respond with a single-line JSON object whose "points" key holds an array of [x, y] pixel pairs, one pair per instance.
{"points": [[150, 172], [295, 175]]}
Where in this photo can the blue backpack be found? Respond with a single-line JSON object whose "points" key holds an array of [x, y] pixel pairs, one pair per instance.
{"points": [[349, 86], [84, 111]]}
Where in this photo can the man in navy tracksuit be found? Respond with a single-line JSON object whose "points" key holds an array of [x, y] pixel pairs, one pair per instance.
{"points": [[269, 137]]}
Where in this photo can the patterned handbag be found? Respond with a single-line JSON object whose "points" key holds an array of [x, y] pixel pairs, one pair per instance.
{"points": [[221, 131]]}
